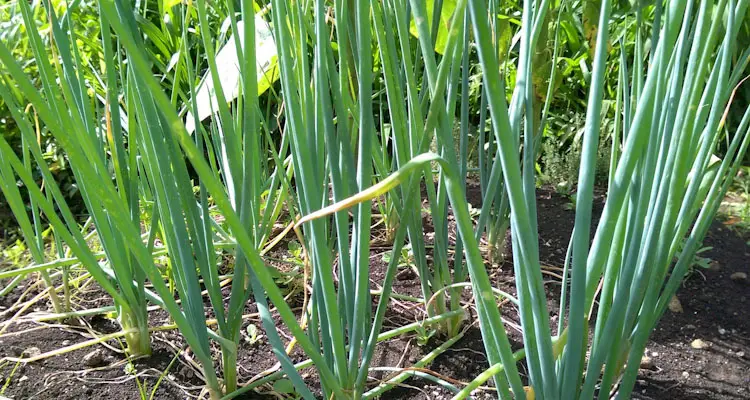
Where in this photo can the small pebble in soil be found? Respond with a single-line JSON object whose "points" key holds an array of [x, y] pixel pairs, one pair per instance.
{"points": [[94, 358], [675, 306], [722, 331], [406, 274], [647, 363], [31, 352], [685, 374], [738, 276], [186, 372], [698, 344]]}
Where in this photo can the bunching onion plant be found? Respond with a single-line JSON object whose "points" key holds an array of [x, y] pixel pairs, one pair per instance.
{"points": [[149, 168], [143, 176]]}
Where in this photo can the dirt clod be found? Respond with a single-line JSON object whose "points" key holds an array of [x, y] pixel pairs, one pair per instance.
{"points": [[647, 363], [94, 358], [738, 276], [31, 352], [406, 274], [675, 305], [698, 344]]}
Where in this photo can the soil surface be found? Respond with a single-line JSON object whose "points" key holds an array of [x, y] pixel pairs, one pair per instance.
{"points": [[702, 352]]}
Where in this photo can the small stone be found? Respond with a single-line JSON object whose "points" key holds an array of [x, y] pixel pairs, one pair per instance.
{"points": [[65, 342], [186, 372], [698, 344], [740, 354], [685, 374], [722, 331], [23, 378], [690, 326], [647, 363], [714, 266], [654, 354], [406, 274], [738, 276], [674, 305], [31, 352], [94, 358]]}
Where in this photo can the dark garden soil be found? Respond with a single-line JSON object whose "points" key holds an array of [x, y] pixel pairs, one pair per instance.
{"points": [[702, 352]]}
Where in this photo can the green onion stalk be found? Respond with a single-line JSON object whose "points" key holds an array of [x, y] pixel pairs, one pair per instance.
{"points": [[424, 118], [31, 228]]}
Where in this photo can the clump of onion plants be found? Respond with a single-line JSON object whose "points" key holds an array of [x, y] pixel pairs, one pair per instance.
{"points": [[665, 184], [664, 188]]}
